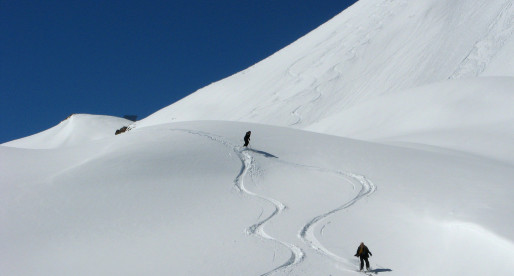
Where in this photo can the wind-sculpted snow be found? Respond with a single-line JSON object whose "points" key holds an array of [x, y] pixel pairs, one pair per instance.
{"points": [[500, 30], [372, 49]]}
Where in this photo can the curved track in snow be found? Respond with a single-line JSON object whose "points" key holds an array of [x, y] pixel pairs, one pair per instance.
{"points": [[306, 233], [257, 229]]}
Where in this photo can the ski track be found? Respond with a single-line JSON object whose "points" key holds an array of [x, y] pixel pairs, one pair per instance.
{"points": [[306, 234], [257, 229]]}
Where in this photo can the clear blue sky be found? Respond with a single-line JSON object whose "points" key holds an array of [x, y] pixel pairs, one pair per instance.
{"points": [[132, 57]]}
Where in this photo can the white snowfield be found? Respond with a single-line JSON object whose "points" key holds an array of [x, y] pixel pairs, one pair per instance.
{"points": [[391, 124], [474, 115], [187, 199], [77, 129]]}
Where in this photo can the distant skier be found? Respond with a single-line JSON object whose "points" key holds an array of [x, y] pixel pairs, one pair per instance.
{"points": [[363, 253], [247, 138]]}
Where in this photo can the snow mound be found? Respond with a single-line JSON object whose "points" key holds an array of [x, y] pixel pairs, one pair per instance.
{"points": [[187, 199], [475, 115], [75, 130]]}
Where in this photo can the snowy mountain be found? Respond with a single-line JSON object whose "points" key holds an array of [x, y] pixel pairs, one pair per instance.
{"points": [[392, 124], [374, 48], [76, 130]]}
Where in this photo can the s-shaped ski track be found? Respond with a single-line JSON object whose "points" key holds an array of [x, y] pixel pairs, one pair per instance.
{"points": [[306, 234], [257, 229]]}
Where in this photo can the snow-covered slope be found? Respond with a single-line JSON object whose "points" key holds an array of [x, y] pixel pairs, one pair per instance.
{"points": [[374, 48], [187, 199], [474, 115], [75, 130], [423, 88]]}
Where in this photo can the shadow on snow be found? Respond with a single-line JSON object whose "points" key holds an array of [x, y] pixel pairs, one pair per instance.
{"points": [[265, 154], [378, 270]]}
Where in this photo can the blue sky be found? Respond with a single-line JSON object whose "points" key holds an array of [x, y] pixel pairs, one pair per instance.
{"points": [[132, 57]]}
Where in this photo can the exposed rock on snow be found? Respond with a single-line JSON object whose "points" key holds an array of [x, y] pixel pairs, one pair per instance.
{"points": [[76, 130], [121, 130]]}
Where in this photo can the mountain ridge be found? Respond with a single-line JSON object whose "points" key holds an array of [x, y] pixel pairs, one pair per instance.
{"points": [[371, 48]]}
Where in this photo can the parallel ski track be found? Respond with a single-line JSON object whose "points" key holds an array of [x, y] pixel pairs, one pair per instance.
{"points": [[306, 233]]}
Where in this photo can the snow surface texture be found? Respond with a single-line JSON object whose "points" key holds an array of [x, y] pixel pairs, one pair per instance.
{"points": [[424, 91], [188, 199], [374, 48]]}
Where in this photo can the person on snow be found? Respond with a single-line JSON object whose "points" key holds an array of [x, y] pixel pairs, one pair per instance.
{"points": [[363, 253], [247, 138]]}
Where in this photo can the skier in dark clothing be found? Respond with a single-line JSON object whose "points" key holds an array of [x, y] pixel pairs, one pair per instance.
{"points": [[247, 138], [363, 253]]}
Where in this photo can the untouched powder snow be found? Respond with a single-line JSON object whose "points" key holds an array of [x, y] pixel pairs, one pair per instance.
{"points": [[187, 199], [75, 130], [474, 115]]}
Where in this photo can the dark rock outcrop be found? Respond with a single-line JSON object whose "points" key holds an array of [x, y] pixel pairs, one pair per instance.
{"points": [[121, 130]]}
